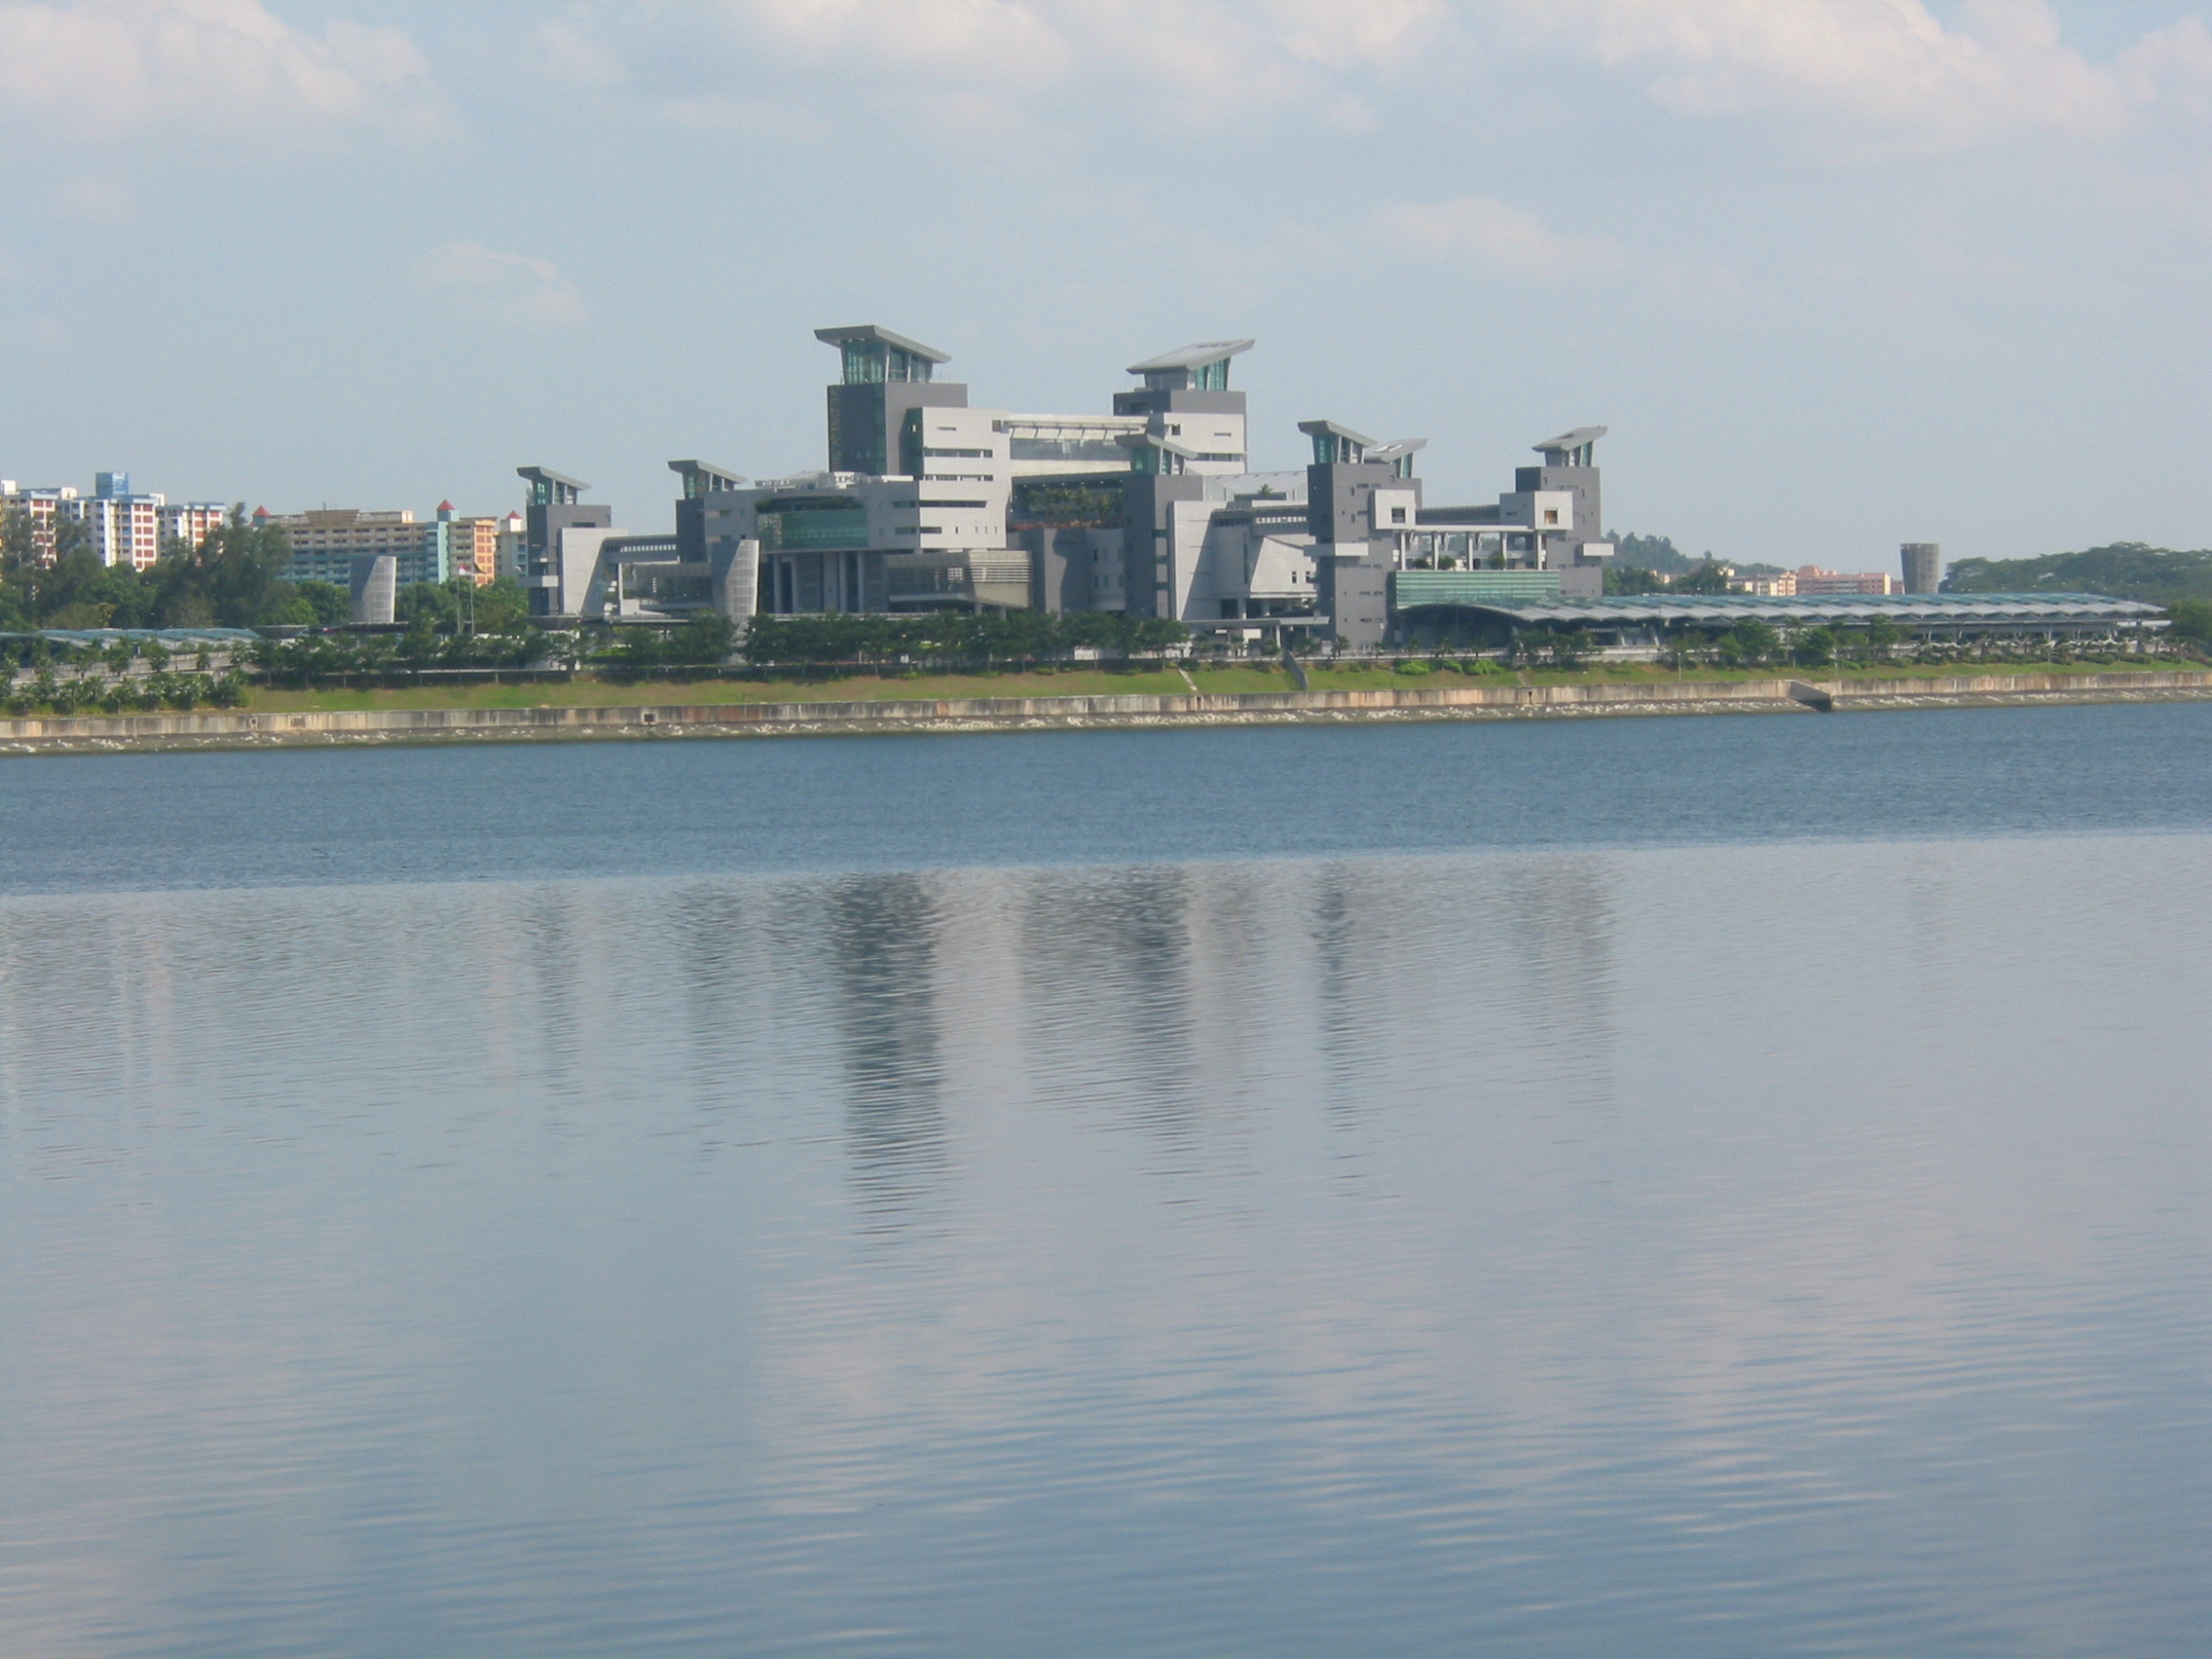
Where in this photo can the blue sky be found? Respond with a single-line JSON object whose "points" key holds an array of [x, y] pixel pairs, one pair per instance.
{"points": [[1836, 273]]}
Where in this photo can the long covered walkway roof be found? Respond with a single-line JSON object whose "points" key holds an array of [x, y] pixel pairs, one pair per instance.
{"points": [[161, 636], [1909, 609]]}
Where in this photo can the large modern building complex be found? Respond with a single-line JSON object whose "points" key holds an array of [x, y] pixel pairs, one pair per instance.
{"points": [[1151, 509]]}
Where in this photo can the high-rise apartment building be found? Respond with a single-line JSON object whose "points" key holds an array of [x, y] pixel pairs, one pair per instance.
{"points": [[325, 542], [473, 545], [121, 527], [191, 523]]}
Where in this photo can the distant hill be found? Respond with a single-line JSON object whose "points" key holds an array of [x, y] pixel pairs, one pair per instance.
{"points": [[1631, 551], [2126, 570], [1651, 553]]}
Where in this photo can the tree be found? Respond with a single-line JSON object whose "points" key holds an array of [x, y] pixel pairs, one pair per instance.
{"points": [[1750, 641], [233, 579], [332, 604], [1882, 637], [2192, 619], [2123, 569], [1632, 579], [502, 606], [1707, 577], [428, 607], [1816, 648], [705, 640], [1649, 553], [1572, 648]]}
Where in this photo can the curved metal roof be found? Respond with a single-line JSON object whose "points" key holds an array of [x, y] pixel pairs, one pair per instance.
{"points": [[108, 636], [1922, 607]]}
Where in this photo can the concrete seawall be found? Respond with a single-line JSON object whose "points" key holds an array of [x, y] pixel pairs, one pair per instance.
{"points": [[230, 729]]}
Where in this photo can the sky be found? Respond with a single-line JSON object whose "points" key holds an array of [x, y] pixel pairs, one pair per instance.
{"points": [[1836, 273]]}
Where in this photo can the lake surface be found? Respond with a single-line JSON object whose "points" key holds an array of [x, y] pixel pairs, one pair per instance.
{"points": [[1726, 1186]]}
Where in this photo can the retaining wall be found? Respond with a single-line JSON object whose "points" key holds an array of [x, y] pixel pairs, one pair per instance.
{"points": [[232, 728]]}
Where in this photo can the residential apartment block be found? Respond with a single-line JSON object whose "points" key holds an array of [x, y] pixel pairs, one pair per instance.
{"points": [[122, 527], [1811, 582], [325, 541]]}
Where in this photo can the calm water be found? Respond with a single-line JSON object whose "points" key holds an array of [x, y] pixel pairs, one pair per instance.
{"points": [[1734, 1186]]}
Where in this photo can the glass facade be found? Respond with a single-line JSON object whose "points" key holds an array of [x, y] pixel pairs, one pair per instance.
{"points": [[864, 362], [833, 522], [1067, 449], [871, 362]]}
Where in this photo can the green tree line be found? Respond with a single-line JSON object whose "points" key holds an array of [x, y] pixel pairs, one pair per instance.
{"points": [[2123, 569], [943, 638], [232, 579], [235, 578]]}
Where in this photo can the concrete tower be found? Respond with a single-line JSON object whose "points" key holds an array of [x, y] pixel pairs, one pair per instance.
{"points": [[1923, 567]]}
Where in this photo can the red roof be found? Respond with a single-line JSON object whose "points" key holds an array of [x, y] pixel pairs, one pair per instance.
{"points": [[445, 507], [261, 512]]}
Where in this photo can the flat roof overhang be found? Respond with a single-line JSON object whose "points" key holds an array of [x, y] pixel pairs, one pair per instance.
{"points": [[869, 334]]}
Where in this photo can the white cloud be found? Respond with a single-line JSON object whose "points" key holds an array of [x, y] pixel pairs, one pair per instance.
{"points": [[1236, 51], [1890, 64], [1498, 238], [110, 66], [2173, 66], [1886, 69], [513, 288]]}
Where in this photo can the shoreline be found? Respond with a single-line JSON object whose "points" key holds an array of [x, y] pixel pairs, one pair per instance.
{"points": [[244, 730]]}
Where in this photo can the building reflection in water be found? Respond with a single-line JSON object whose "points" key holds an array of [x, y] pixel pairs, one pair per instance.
{"points": [[1106, 957], [1559, 929], [726, 965], [881, 935]]}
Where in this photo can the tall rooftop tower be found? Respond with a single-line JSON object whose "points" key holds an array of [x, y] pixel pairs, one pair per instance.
{"points": [[885, 375], [1568, 462], [556, 504], [1193, 426]]}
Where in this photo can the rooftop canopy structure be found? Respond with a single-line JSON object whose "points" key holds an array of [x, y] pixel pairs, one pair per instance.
{"points": [[700, 478], [1335, 445], [873, 355], [550, 489], [1199, 367], [1398, 455], [1151, 454], [1578, 448]]}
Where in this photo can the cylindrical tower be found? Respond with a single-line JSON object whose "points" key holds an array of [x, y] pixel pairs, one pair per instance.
{"points": [[1923, 567]]}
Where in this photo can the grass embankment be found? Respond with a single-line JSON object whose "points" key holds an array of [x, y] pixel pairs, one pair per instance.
{"points": [[605, 694], [1091, 683]]}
